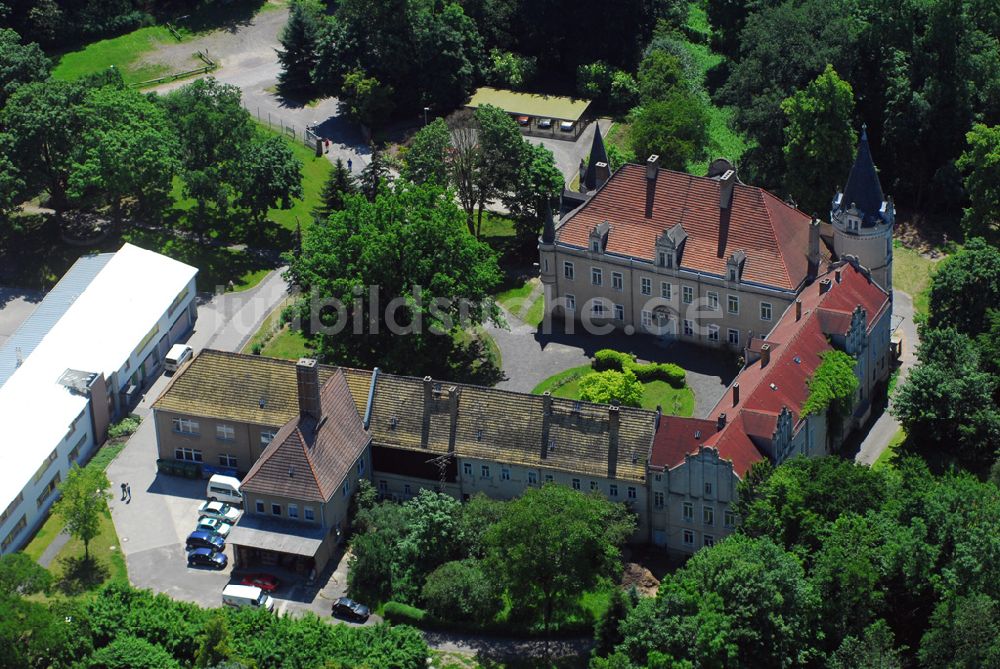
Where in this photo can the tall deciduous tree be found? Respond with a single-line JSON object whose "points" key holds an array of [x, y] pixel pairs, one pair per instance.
{"points": [[675, 128], [552, 543], [269, 175], [981, 164], [500, 150], [427, 157], [19, 63], [965, 287], [820, 140], [83, 498], [21, 575], [537, 182], [298, 53]]}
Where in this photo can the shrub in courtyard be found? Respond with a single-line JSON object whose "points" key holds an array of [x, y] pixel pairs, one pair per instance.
{"points": [[607, 387], [460, 590]]}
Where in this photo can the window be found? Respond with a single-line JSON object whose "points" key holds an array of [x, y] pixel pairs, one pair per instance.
{"points": [[504, 473], [666, 290], [546, 264], [713, 301], [576, 484], [406, 489], [308, 513], [275, 509], [260, 506], [666, 259], [613, 490], [48, 490], [17, 529], [45, 465], [729, 518], [707, 515], [734, 304], [708, 489], [631, 492], [266, 437], [595, 245], [617, 282], [688, 328], [225, 432], [75, 453], [568, 271], [734, 336], [688, 512], [11, 507], [713, 333], [383, 486], [646, 286], [227, 460], [548, 478], [185, 426], [293, 510], [570, 303], [765, 311], [346, 489], [361, 466], [187, 454], [619, 312], [688, 538], [687, 294], [484, 471], [596, 276], [467, 468], [647, 319], [593, 486], [709, 541], [532, 478], [658, 500], [732, 274], [597, 309]]}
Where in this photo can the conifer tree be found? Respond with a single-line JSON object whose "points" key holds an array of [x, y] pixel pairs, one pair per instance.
{"points": [[298, 53], [338, 186]]}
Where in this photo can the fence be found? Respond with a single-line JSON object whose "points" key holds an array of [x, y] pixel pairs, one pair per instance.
{"points": [[307, 135], [209, 66]]}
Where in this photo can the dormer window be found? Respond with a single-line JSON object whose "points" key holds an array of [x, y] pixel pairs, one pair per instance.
{"points": [[666, 260], [734, 266], [732, 274], [599, 237], [595, 246]]}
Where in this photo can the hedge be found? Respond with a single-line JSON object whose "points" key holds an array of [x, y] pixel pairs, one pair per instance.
{"points": [[606, 359], [403, 614]]}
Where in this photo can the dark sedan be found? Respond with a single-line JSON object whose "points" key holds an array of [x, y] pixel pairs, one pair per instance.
{"points": [[351, 610], [204, 557], [209, 540]]}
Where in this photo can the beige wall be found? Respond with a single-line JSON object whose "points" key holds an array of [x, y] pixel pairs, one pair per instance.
{"points": [[246, 445], [630, 297]]}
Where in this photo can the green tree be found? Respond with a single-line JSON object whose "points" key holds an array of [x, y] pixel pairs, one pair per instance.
{"points": [[12, 187], [675, 128], [820, 140], [19, 63], [551, 544], [964, 287], [215, 643], [875, 649], [448, 49], [660, 75], [129, 652], [981, 164], [410, 245], [21, 575], [964, 634], [298, 53], [501, 148], [128, 150], [612, 386], [83, 499], [35, 635], [509, 70], [607, 631], [427, 157], [460, 590], [538, 181], [366, 100], [269, 175], [593, 80], [752, 486]]}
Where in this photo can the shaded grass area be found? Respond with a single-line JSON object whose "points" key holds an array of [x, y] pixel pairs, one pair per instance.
{"points": [[886, 458], [288, 344], [912, 273], [525, 301], [673, 401]]}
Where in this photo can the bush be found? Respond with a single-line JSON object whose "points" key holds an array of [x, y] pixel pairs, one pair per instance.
{"points": [[403, 614], [607, 358], [125, 427], [459, 590], [508, 70], [611, 386]]}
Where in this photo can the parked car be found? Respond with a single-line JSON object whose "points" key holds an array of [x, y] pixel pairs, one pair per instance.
{"points": [[205, 557], [265, 582], [566, 126], [220, 511], [224, 489], [209, 540], [176, 357], [239, 596], [544, 123], [523, 120], [206, 524], [351, 610]]}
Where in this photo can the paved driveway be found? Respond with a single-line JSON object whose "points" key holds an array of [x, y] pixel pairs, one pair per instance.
{"points": [[567, 154], [15, 307]]}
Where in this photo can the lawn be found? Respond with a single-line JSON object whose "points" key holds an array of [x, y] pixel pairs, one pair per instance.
{"points": [[885, 458], [911, 273], [288, 344], [673, 401], [525, 301]]}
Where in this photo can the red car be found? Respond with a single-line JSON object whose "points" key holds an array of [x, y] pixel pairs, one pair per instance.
{"points": [[265, 582]]}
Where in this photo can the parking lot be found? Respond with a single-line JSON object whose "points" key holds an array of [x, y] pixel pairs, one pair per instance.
{"points": [[153, 526]]}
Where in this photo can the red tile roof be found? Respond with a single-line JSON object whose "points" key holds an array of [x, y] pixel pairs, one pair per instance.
{"points": [[307, 459], [774, 235], [796, 346]]}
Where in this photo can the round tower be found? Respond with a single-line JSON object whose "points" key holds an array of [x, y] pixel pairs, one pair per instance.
{"points": [[863, 218]]}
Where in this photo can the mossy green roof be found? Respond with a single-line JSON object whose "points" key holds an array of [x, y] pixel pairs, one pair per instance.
{"points": [[531, 104]]}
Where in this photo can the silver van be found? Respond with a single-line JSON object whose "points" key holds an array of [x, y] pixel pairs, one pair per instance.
{"points": [[176, 357], [224, 489], [246, 595]]}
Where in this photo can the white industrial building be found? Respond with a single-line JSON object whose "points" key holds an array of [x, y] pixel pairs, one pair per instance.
{"points": [[78, 362]]}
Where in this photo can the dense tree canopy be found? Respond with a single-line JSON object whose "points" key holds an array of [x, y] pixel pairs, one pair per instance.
{"points": [[981, 164], [81, 503], [19, 63]]}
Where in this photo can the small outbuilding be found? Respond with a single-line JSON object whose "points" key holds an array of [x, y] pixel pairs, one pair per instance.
{"points": [[551, 116]]}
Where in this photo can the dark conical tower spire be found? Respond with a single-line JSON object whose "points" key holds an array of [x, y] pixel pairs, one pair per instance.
{"points": [[549, 230], [598, 154], [863, 188]]}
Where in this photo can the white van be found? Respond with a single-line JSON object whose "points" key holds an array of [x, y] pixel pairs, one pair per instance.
{"points": [[176, 357], [224, 489], [246, 595]]}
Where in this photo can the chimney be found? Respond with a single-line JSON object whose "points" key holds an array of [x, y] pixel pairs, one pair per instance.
{"points": [[824, 286], [765, 355], [726, 183], [659, 415], [836, 275], [652, 171], [546, 414], [307, 382], [453, 412], [736, 394], [425, 427], [798, 310], [814, 241], [720, 422], [602, 173], [614, 422]]}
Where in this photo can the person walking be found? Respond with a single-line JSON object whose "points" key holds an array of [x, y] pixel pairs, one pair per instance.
{"points": [[350, 165], [124, 486], [128, 491]]}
